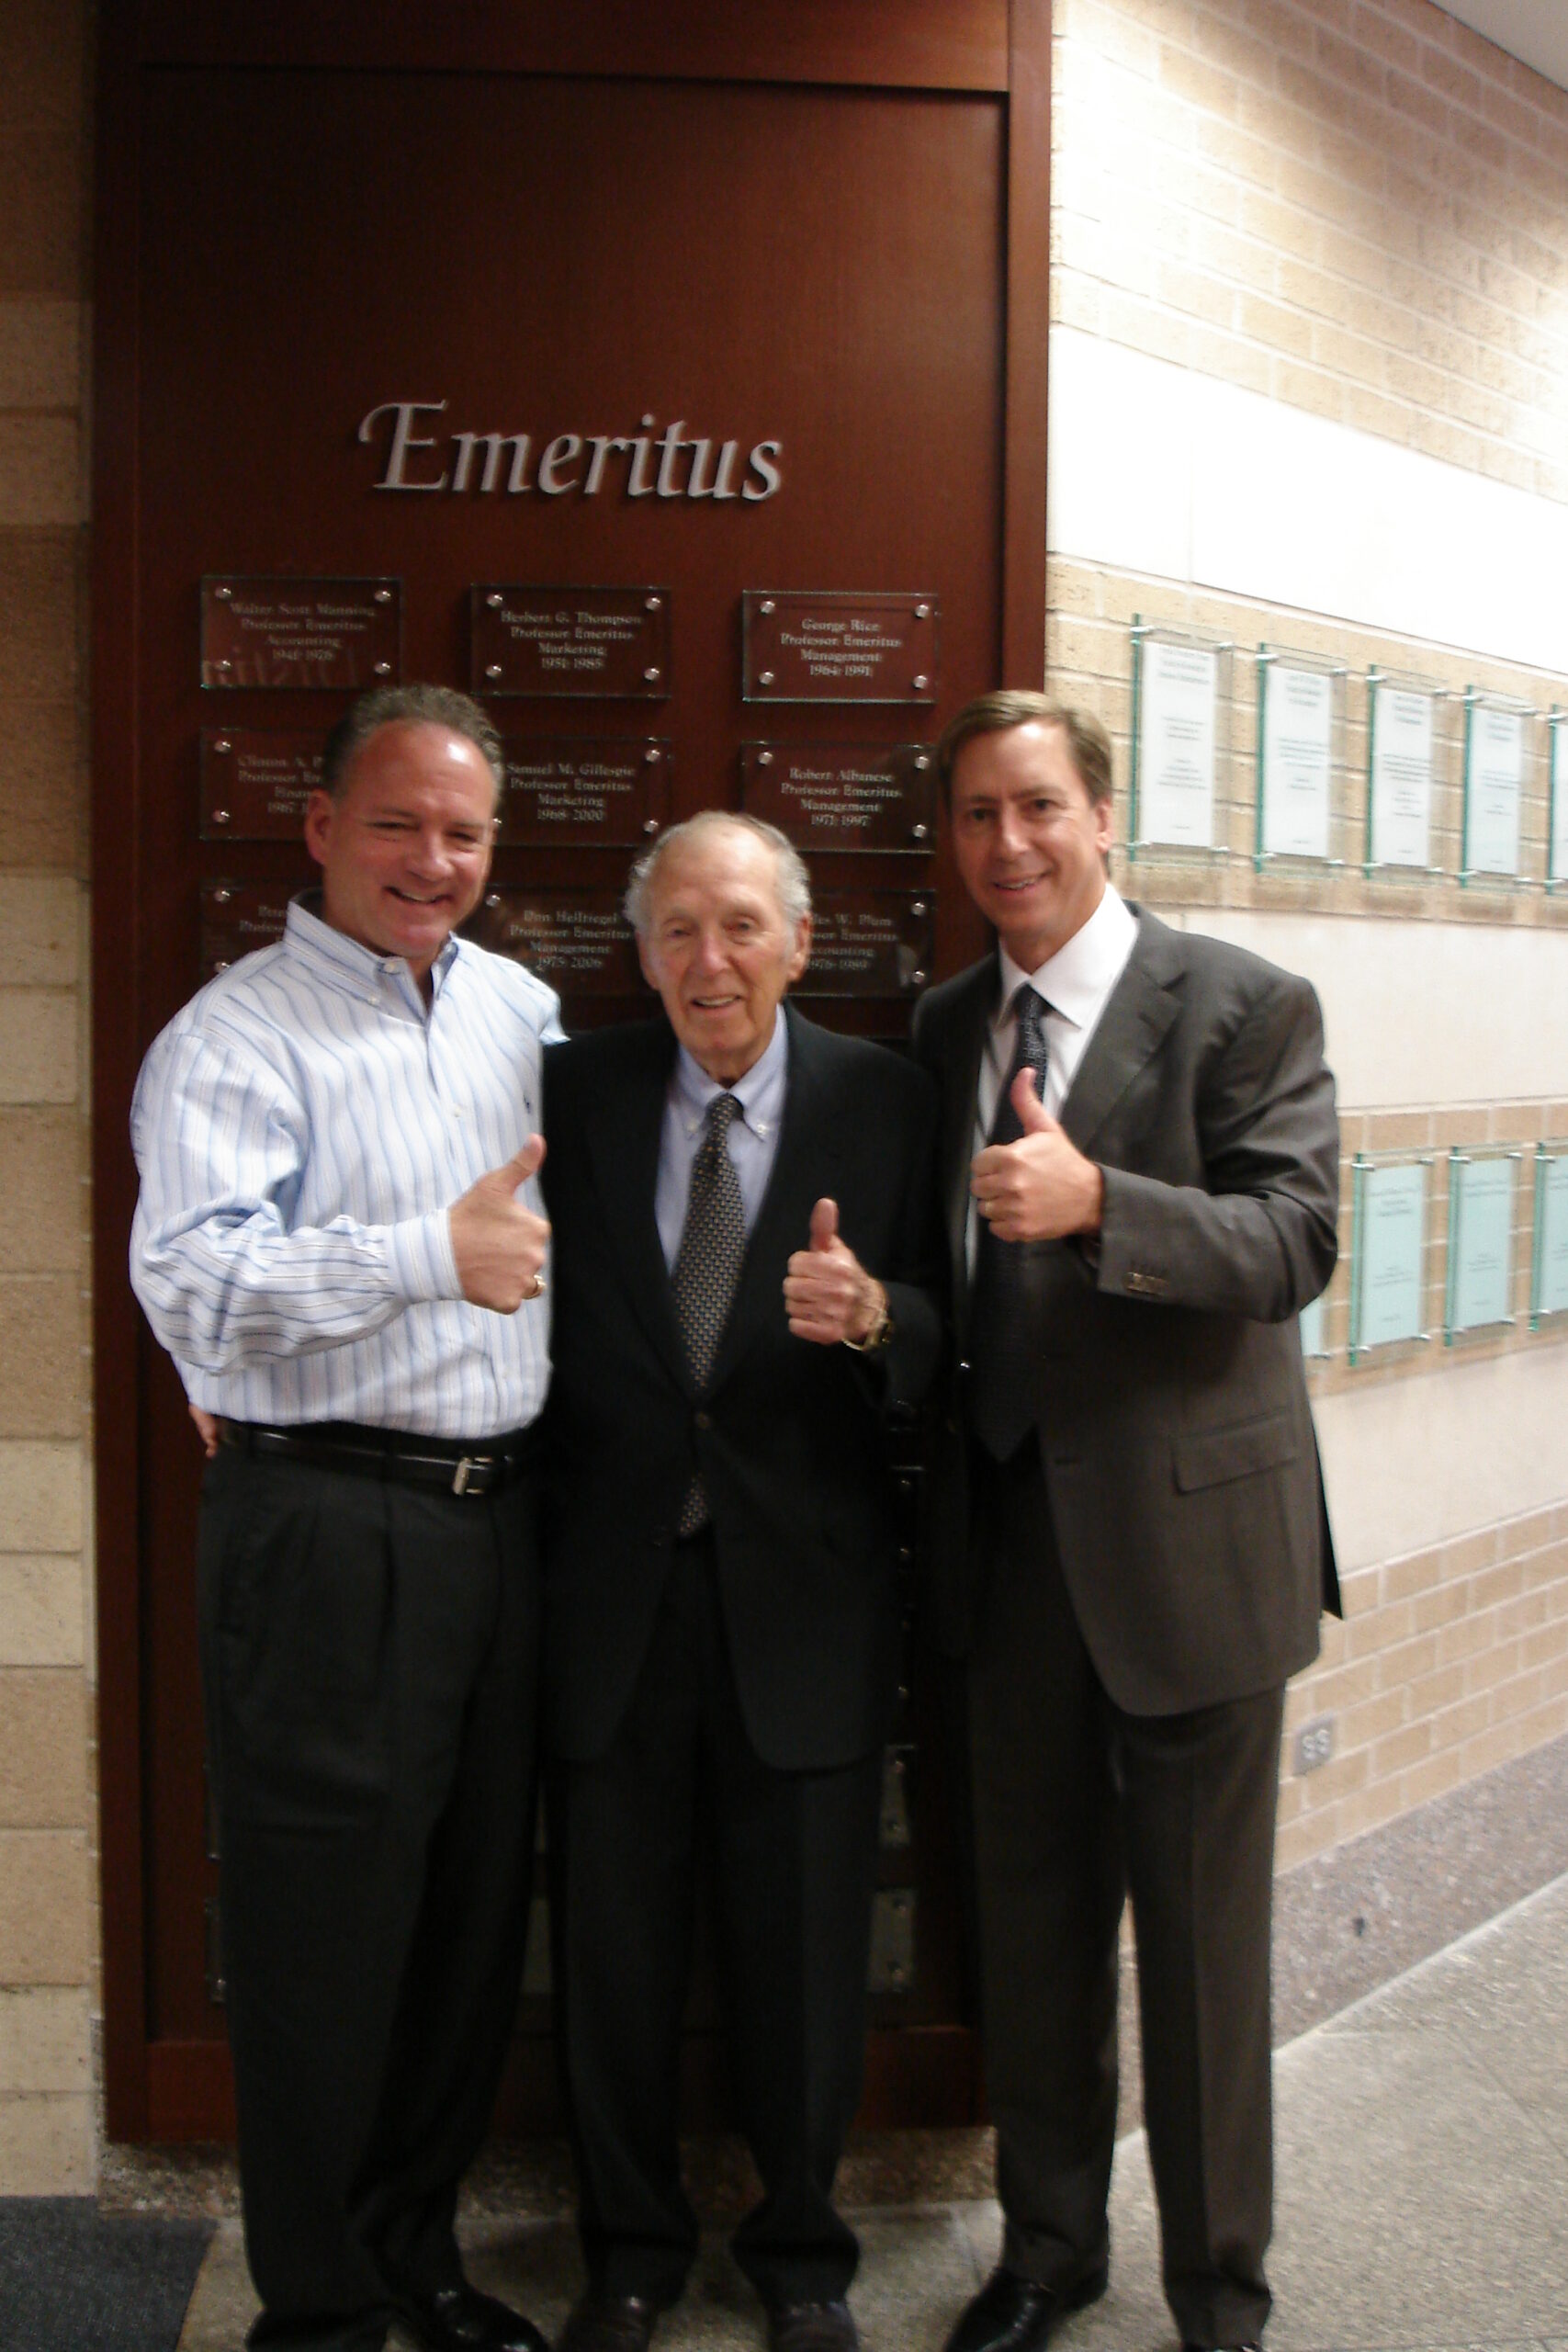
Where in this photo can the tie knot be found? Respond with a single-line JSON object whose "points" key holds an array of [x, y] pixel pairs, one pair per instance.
{"points": [[1030, 1007], [722, 1113]]}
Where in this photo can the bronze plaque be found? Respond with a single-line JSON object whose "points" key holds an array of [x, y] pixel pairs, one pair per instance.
{"points": [[806, 646], [339, 634], [584, 791], [238, 916], [582, 641], [255, 782], [577, 940], [843, 796], [869, 943]]}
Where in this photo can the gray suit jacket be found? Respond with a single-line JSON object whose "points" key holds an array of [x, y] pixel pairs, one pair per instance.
{"points": [[1168, 1385]]}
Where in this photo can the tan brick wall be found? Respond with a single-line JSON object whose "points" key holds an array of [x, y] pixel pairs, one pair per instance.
{"points": [[47, 1868], [1357, 205]]}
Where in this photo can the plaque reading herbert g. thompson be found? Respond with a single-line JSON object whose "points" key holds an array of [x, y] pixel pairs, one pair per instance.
{"points": [[255, 782], [869, 943], [579, 791], [238, 916], [577, 939], [321, 634], [1481, 1241], [843, 796], [821, 646], [608, 642], [1389, 1255]]}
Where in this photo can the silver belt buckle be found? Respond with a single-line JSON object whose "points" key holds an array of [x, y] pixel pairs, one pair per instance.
{"points": [[460, 1475]]}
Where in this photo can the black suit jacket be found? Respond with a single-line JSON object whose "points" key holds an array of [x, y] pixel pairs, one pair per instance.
{"points": [[1168, 1385], [789, 1436]]}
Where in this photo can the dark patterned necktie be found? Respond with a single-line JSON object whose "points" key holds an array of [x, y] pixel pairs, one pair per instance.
{"points": [[1000, 1320], [707, 1266]]}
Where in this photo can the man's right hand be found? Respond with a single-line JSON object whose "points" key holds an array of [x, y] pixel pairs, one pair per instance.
{"points": [[499, 1244]]}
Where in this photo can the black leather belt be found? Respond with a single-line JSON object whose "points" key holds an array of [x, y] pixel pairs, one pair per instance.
{"points": [[484, 1468]]}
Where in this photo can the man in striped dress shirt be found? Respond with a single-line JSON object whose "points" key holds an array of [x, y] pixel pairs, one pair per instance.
{"points": [[339, 1240]]}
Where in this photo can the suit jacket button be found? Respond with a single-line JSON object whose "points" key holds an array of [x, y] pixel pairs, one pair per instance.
{"points": [[703, 1420], [963, 1366]]}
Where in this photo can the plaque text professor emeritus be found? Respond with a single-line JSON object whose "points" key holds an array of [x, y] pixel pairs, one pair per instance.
{"points": [[337, 1238], [745, 1251], [1132, 1551]]}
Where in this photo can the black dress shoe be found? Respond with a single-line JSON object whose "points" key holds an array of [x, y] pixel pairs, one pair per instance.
{"points": [[1010, 2313], [609, 2323], [460, 2319], [812, 2327]]}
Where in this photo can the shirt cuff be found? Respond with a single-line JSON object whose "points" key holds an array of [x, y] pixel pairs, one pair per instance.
{"points": [[422, 1263]]}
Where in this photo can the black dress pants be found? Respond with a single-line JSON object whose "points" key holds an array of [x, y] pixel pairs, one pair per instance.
{"points": [[369, 1658], [794, 1867], [1077, 1804]]}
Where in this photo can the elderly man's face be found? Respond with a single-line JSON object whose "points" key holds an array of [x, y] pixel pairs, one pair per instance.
{"points": [[404, 849], [719, 948]]}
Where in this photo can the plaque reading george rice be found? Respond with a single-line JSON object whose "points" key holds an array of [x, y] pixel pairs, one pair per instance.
{"points": [[331, 635], [578, 792], [608, 642], [578, 940], [843, 796], [811, 646], [1387, 1264], [1481, 1242], [255, 782], [238, 916], [869, 943]]}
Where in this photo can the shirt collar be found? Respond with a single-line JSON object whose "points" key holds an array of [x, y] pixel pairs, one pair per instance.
{"points": [[760, 1091], [1076, 980], [332, 955]]}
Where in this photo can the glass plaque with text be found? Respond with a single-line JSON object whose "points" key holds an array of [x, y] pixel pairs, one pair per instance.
{"points": [[843, 796], [1494, 785], [1300, 724], [1480, 1240], [578, 940], [1400, 731], [606, 643], [331, 635], [579, 791], [1557, 814], [869, 943], [818, 645], [1388, 1254], [1549, 1262], [238, 916], [1180, 697], [1312, 1321], [255, 782]]}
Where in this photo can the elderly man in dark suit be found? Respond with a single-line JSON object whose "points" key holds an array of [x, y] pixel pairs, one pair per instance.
{"points": [[1140, 1169], [744, 1245]]}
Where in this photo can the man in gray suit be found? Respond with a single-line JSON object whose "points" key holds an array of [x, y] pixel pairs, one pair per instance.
{"points": [[1139, 1165]]}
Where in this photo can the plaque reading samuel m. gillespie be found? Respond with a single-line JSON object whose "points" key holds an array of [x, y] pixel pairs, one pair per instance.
{"points": [[843, 796], [611, 642], [810, 646], [255, 782], [577, 939], [869, 943], [319, 634], [581, 791]]}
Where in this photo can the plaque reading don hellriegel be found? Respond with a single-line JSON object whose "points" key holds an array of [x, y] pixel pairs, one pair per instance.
{"points": [[320, 634], [869, 943], [843, 796], [581, 791], [820, 646], [255, 782], [603, 642], [578, 940]]}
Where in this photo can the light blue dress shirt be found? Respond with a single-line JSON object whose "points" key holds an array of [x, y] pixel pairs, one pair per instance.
{"points": [[753, 1137]]}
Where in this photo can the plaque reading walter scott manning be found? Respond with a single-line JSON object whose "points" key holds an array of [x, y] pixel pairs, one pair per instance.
{"points": [[1389, 1255], [843, 796], [605, 642], [322, 634], [809, 646], [577, 939], [578, 792], [869, 943], [255, 782], [238, 916]]}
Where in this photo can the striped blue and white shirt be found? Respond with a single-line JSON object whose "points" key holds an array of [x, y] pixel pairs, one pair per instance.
{"points": [[302, 1128]]}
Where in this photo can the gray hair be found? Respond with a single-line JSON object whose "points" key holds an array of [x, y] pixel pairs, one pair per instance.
{"points": [[791, 882], [414, 706]]}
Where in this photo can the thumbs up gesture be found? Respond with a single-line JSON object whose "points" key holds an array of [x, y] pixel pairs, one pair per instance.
{"points": [[828, 1296], [499, 1244], [1041, 1186]]}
